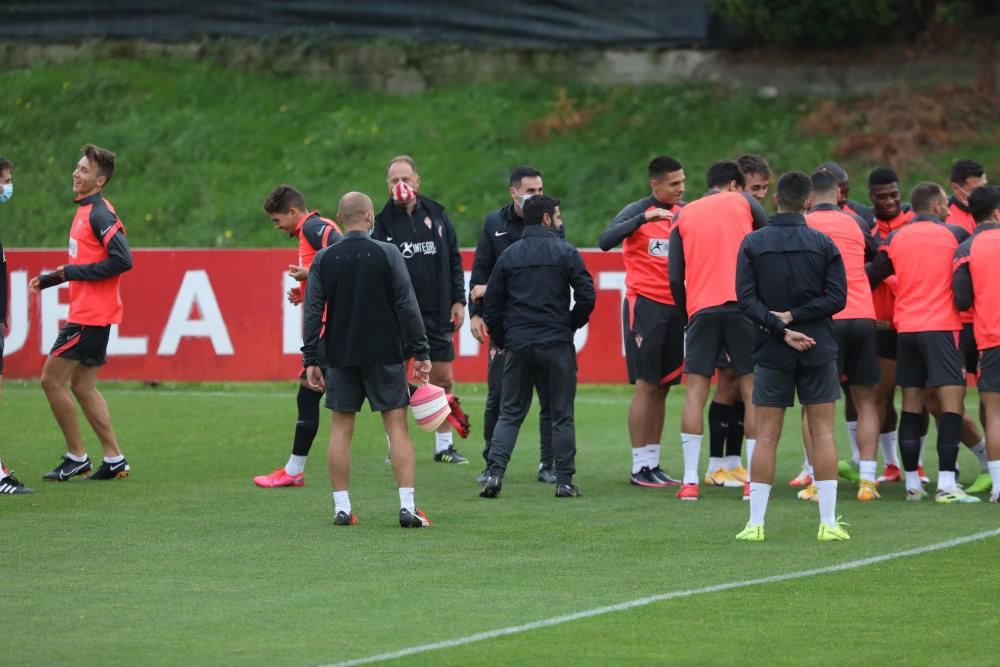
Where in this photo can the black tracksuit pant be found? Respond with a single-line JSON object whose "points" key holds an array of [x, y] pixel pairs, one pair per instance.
{"points": [[552, 370], [494, 388]]}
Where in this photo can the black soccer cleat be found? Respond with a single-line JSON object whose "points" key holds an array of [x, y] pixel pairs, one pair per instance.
{"points": [[450, 455], [10, 485], [67, 469], [414, 519], [108, 471], [491, 487], [483, 476], [567, 491], [546, 474], [345, 519], [659, 474]]}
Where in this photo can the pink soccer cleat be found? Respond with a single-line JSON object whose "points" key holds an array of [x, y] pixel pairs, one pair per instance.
{"points": [[279, 478]]}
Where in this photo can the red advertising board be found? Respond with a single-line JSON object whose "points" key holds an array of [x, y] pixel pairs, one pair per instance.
{"points": [[221, 315]]}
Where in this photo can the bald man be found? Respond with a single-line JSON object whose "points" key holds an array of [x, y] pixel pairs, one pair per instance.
{"points": [[365, 288]]}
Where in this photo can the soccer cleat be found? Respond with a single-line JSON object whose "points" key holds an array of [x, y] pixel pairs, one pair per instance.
{"points": [[916, 494], [279, 478], [835, 534], [457, 418], [923, 476], [645, 478], [955, 496], [414, 519], [722, 477], [108, 471], [982, 484], [345, 519], [567, 491], [802, 479], [67, 469], [740, 473], [10, 485], [868, 491], [809, 493], [450, 455], [661, 475], [752, 533], [481, 478], [688, 492], [890, 473], [847, 470], [746, 491], [491, 487], [546, 474]]}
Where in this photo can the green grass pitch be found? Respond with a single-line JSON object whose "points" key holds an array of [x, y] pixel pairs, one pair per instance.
{"points": [[186, 562]]}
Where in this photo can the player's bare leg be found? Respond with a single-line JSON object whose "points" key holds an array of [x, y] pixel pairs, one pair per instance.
{"points": [[823, 456], [646, 415], [95, 408], [444, 445], [867, 433], [991, 408], [55, 374]]}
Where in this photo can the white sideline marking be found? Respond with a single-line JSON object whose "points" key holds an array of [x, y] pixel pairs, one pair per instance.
{"points": [[642, 602]]}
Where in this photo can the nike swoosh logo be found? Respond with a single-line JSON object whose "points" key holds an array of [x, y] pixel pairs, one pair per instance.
{"points": [[105, 231], [64, 475], [118, 465], [388, 238], [500, 233]]}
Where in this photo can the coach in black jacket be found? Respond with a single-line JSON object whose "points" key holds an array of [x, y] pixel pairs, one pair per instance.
{"points": [[528, 313], [790, 275]]}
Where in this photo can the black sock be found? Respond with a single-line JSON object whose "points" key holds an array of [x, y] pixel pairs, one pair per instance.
{"points": [[909, 440], [308, 423], [734, 439], [949, 435], [718, 426]]}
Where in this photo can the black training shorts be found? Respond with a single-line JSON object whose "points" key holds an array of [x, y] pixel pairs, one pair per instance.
{"points": [[929, 359], [709, 334], [384, 386], [887, 344], [989, 370], [776, 388], [440, 337], [857, 346], [967, 344], [654, 341], [84, 343]]}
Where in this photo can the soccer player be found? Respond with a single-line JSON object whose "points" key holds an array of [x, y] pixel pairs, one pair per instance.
{"points": [[854, 326], [420, 228], [975, 288], [500, 229], [702, 267], [966, 176], [844, 189], [652, 325], [920, 254], [98, 255], [787, 362], [528, 314], [8, 483], [286, 207], [363, 286]]}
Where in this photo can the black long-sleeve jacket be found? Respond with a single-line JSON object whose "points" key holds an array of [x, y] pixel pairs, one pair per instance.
{"points": [[787, 266], [393, 225], [364, 287], [527, 297], [500, 230]]}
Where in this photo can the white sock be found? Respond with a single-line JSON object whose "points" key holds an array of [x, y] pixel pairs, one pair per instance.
{"points": [[341, 502], [980, 451], [946, 480], [442, 441], [913, 480], [691, 444], [995, 474], [715, 463], [852, 435], [78, 459], [887, 441], [406, 499], [827, 489], [295, 465], [114, 459], [652, 455], [920, 461], [760, 493], [809, 469], [805, 459], [732, 462], [638, 459], [751, 445], [867, 470]]}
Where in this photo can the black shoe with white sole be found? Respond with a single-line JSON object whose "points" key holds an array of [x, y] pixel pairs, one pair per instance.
{"points": [[67, 470], [112, 470]]}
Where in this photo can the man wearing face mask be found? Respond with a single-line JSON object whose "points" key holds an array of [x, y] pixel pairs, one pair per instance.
{"points": [[501, 229], [420, 228]]}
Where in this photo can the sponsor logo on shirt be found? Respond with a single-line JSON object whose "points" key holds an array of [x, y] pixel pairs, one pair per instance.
{"points": [[658, 247], [72, 247], [410, 250]]}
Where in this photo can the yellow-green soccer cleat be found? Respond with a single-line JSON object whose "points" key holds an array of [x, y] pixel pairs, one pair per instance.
{"points": [[809, 493], [752, 533], [836, 534], [982, 484], [955, 496]]}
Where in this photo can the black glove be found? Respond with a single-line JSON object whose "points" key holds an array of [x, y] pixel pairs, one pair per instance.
{"points": [[46, 280]]}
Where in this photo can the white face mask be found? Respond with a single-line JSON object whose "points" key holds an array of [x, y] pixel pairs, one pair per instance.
{"points": [[8, 192]]}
